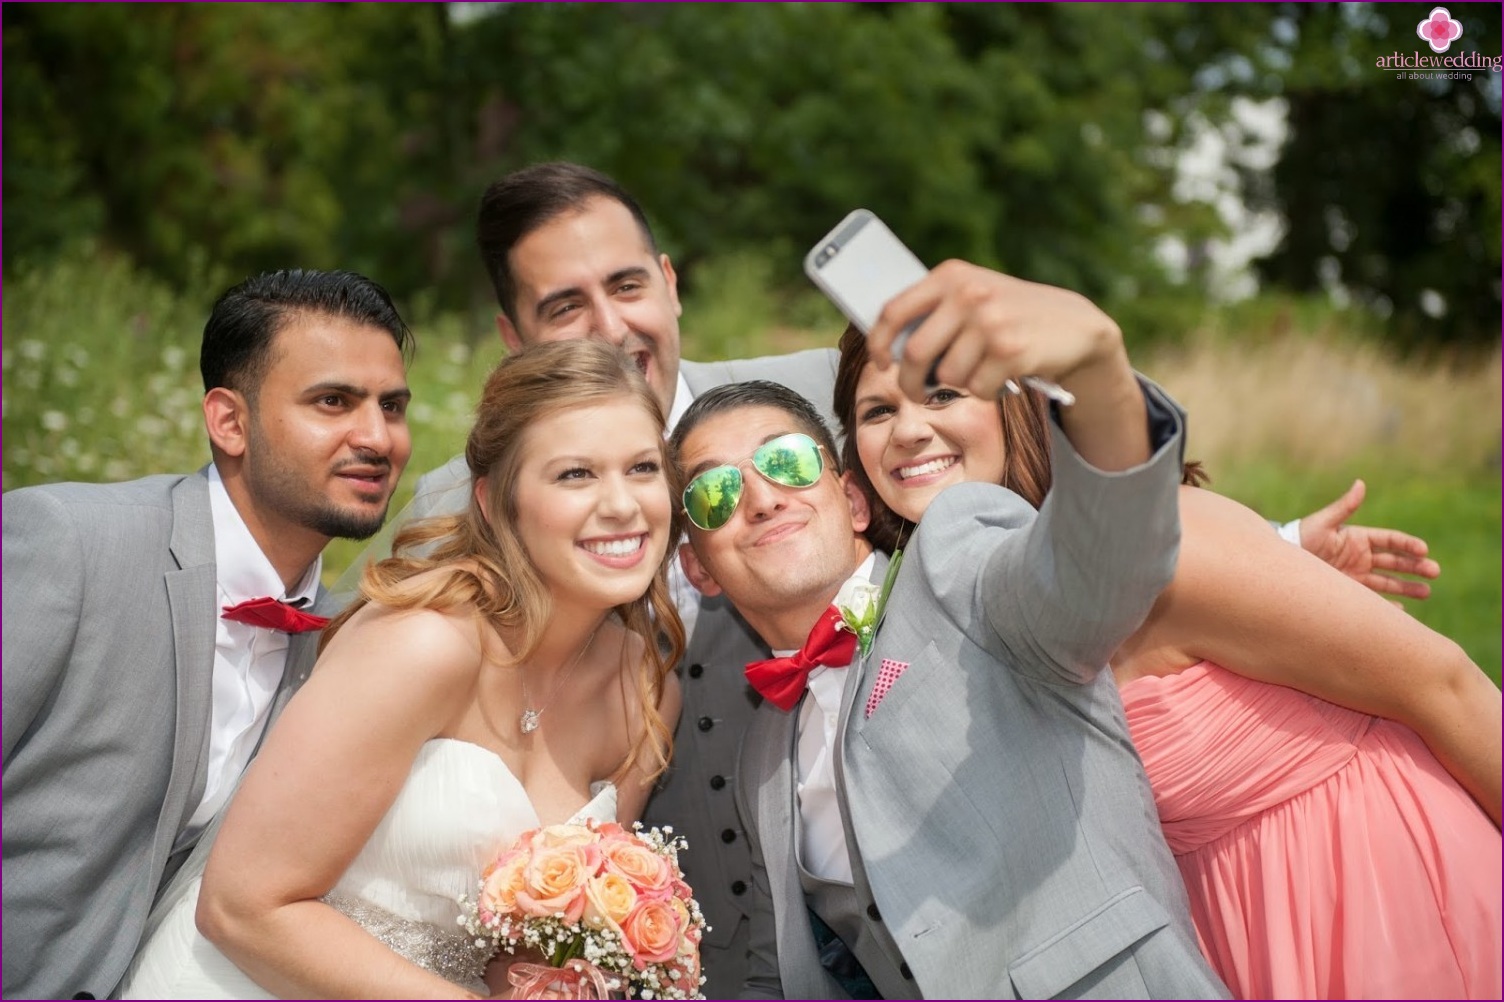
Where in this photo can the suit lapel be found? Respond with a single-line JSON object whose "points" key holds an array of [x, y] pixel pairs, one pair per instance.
{"points": [[191, 596], [798, 964], [775, 805], [856, 685]]}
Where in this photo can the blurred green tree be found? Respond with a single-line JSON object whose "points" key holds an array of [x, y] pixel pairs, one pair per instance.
{"points": [[1040, 138], [1390, 185], [243, 129]]}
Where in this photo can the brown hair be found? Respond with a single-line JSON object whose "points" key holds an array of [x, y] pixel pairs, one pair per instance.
{"points": [[531, 198], [754, 393], [484, 562], [1026, 443]]}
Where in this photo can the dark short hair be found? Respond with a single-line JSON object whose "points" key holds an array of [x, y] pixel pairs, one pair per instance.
{"points": [[531, 197], [246, 319], [754, 393]]}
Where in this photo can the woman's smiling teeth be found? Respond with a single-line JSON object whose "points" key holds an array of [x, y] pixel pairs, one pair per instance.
{"points": [[615, 547], [924, 469]]}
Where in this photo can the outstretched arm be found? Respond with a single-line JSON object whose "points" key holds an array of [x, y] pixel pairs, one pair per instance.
{"points": [[1373, 557], [1252, 604]]}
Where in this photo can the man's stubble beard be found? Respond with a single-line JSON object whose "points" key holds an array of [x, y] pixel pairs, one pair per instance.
{"points": [[279, 489]]}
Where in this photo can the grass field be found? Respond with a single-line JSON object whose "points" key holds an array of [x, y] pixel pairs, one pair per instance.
{"points": [[1286, 407]]}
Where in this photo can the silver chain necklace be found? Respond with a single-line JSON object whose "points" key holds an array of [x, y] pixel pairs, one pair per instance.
{"points": [[530, 717]]}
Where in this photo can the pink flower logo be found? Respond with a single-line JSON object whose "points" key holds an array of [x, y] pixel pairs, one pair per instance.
{"points": [[1439, 30]]}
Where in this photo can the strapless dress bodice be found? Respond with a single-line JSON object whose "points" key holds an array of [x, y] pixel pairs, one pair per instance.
{"points": [[458, 808]]}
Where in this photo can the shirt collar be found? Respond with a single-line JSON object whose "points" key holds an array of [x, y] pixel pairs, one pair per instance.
{"points": [[241, 569], [863, 573], [683, 397]]}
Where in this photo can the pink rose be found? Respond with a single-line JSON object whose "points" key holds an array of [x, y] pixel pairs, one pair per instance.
{"points": [[649, 872], [687, 968], [652, 931], [554, 880]]}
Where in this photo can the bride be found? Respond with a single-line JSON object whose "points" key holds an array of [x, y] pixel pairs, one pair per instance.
{"points": [[511, 678]]}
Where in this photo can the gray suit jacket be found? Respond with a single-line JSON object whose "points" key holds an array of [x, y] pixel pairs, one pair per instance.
{"points": [[697, 795], [110, 614], [1002, 826]]}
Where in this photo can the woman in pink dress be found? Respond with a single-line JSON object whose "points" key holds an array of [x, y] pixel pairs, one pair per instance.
{"points": [[1327, 769]]}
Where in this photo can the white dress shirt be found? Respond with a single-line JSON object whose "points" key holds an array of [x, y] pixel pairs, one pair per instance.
{"points": [[248, 660], [823, 850]]}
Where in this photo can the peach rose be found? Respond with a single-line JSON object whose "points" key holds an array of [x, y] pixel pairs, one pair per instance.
{"points": [[500, 883], [551, 836], [609, 899], [648, 871], [651, 932], [554, 880]]}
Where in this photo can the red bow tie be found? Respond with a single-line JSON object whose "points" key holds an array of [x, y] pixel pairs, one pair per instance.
{"points": [[274, 614], [782, 680]]}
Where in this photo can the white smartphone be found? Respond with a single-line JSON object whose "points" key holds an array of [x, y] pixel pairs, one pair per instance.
{"points": [[861, 264]]}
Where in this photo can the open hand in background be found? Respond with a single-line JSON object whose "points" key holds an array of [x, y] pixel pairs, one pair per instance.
{"points": [[1374, 557]]}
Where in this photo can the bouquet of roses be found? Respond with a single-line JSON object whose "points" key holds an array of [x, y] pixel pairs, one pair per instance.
{"points": [[606, 907]]}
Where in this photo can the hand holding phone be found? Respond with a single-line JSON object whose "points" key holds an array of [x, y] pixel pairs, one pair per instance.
{"points": [[861, 264]]}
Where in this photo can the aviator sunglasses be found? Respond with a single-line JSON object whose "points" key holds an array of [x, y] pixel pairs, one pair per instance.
{"points": [[790, 460]]}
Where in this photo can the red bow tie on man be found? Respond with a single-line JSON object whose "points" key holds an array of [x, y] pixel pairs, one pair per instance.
{"points": [[783, 680], [274, 614]]}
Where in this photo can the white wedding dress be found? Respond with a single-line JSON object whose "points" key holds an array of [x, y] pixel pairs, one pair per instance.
{"points": [[460, 806]]}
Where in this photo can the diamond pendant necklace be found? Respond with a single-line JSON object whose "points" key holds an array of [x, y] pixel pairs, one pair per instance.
{"points": [[530, 717]]}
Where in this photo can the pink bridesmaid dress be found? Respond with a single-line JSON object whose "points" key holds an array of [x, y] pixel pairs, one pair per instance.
{"points": [[1327, 854]]}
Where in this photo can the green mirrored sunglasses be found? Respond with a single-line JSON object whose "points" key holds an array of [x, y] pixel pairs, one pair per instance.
{"points": [[791, 460]]}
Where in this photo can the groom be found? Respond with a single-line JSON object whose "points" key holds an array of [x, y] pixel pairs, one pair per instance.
{"points": [[894, 857], [132, 704]]}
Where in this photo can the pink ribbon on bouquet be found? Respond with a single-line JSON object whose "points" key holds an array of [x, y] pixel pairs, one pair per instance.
{"points": [[577, 979]]}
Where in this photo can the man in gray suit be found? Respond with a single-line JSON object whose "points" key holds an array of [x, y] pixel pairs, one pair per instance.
{"points": [[132, 705], [959, 813], [570, 254]]}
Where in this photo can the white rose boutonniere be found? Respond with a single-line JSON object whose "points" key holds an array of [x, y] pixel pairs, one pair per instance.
{"points": [[861, 605]]}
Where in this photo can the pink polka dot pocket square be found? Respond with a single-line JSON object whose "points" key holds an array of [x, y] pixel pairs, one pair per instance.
{"points": [[887, 674]]}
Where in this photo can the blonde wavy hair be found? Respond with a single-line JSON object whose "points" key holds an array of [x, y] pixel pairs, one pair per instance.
{"points": [[483, 563]]}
